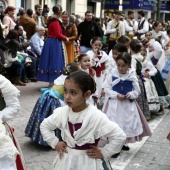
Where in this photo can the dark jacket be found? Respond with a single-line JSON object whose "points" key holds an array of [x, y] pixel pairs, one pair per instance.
{"points": [[87, 31]]}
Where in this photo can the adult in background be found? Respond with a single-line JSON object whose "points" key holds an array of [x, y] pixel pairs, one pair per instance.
{"points": [[52, 59], [143, 25], [87, 30], [24, 44], [45, 12], [70, 30], [37, 41], [28, 23], [130, 24], [39, 19], [115, 28], [9, 19]]}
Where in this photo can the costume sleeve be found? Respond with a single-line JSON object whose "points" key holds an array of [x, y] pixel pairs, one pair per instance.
{"points": [[136, 90], [108, 87], [107, 63], [165, 39], [74, 33], [11, 109], [152, 69], [57, 30], [109, 29], [115, 140], [48, 126], [127, 27]]}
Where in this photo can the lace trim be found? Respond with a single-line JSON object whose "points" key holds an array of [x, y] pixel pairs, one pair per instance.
{"points": [[7, 147]]}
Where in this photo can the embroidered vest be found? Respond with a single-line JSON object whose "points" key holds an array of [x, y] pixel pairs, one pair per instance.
{"points": [[130, 25], [140, 26], [123, 87], [99, 69], [115, 25]]}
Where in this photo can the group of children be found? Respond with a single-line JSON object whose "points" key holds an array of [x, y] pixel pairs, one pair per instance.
{"points": [[126, 81]]}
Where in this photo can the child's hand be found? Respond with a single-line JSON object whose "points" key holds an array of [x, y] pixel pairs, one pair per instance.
{"points": [[95, 152], [95, 50], [121, 97], [61, 148], [128, 96], [102, 92], [146, 75]]}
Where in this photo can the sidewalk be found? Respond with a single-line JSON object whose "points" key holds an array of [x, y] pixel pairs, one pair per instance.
{"points": [[154, 154]]}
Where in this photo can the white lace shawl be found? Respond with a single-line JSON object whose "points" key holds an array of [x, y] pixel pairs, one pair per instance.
{"points": [[7, 146], [94, 126], [10, 94], [7, 88]]}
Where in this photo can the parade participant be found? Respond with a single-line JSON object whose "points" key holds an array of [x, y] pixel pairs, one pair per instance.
{"points": [[115, 28], [143, 25], [51, 63], [149, 70], [137, 58], [130, 24], [116, 50], [51, 99], [70, 30], [158, 34], [84, 63], [10, 153], [121, 90], [99, 61], [82, 126]]}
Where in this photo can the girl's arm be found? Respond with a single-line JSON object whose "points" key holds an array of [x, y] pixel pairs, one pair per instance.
{"points": [[136, 90], [48, 126], [115, 140], [152, 69], [108, 87], [11, 109]]}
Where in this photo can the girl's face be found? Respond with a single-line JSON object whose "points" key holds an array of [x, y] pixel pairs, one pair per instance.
{"points": [[148, 36], [115, 53], [74, 97], [85, 62], [159, 27], [97, 45], [122, 66], [143, 53]]}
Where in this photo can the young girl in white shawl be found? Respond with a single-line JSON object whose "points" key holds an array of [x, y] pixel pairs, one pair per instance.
{"points": [[149, 70], [82, 125], [121, 89], [84, 62], [99, 61], [137, 58]]}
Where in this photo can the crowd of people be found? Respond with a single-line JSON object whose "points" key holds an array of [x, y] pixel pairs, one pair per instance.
{"points": [[105, 81]]}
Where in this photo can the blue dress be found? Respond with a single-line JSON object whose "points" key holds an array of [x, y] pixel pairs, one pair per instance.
{"points": [[52, 59], [44, 108]]}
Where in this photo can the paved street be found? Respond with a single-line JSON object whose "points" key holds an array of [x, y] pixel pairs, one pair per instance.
{"points": [[154, 154]]}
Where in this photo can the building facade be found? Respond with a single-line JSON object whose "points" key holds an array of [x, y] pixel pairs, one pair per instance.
{"points": [[72, 6]]}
